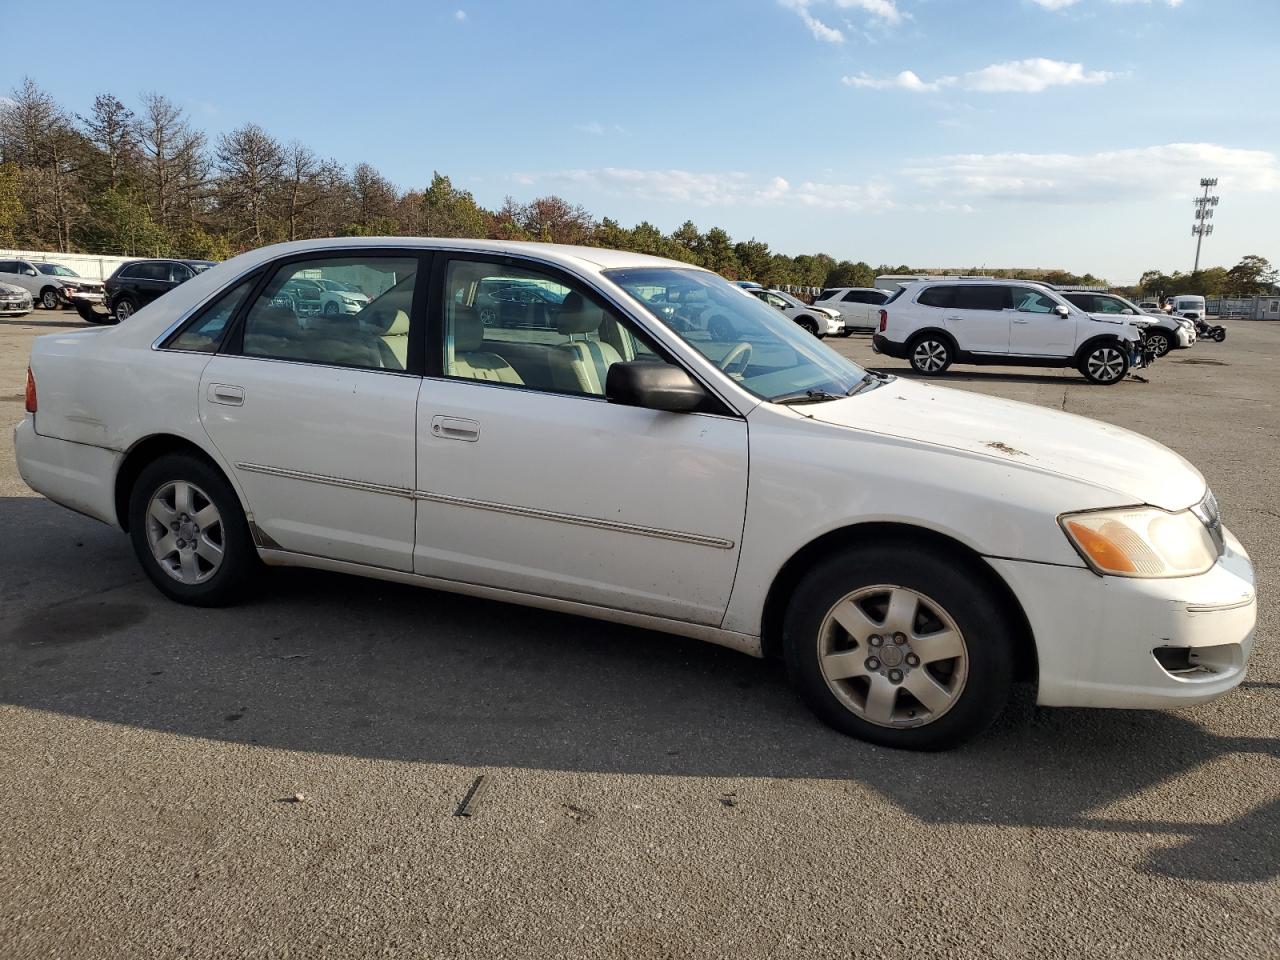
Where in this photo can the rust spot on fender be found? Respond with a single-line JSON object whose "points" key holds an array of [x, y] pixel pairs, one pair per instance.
{"points": [[1005, 448]]}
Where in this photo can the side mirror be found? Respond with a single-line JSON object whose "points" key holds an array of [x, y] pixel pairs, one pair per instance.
{"points": [[1062, 310], [1127, 312], [654, 386], [30, 272]]}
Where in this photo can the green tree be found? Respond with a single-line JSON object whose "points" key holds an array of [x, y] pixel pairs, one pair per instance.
{"points": [[1252, 276], [445, 211], [119, 222], [11, 212], [848, 274], [716, 252]]}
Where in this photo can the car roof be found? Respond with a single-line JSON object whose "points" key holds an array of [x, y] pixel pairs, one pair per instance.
{"points": [[590, 259]]}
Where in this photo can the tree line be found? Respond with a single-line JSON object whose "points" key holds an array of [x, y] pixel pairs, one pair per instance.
{"points": [[145, 181]]}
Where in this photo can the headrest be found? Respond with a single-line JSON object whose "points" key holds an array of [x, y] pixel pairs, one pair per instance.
{"points": [[399, 326], [468, 329], [576, 315]]}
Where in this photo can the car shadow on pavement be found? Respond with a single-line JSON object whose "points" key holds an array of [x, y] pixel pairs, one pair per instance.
{"points": [[39, 323], [341, 665]]}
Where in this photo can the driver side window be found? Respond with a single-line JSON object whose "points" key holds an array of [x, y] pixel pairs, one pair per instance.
{"points": [[520, 327], [1030, 301]]}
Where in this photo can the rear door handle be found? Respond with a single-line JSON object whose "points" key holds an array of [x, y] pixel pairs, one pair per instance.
{"points": [[455, 428], [1016, 320], [226, 393]]}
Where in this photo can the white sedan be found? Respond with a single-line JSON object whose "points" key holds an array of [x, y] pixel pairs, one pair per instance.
{"points": [[909, 550]]}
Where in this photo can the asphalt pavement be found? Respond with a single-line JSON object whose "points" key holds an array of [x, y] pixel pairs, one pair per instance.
{"points": [[282, 778]]}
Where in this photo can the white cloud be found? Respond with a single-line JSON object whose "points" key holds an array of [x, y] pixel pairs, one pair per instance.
{"points": [[724, 189], [460, 15], [1014, 76], [1140, 173], [881, 11], [597, 129]]}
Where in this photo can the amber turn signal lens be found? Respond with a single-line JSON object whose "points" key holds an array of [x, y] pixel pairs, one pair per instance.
{"points": [[1101, 550]]}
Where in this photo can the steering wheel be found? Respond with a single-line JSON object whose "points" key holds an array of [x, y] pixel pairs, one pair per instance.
{"points": [[741, 355]]}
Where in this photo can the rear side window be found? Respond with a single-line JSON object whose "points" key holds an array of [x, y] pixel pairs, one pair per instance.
{"points": [[128, 272], [980, 298], [937, 297], [205, 334], [894, 296]]}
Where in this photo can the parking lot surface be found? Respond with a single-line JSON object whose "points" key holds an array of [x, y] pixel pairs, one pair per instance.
{"points": [[645, 795]]}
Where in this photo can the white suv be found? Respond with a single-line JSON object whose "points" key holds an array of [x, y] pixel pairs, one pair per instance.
{"points": [[935, 323], [859, 307]]}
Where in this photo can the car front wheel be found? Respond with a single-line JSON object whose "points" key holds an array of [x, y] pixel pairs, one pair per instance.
{"points": [[931, 356], [1106, 363], [189, 532], [1159, 342], [899, 646], [49, 298]]}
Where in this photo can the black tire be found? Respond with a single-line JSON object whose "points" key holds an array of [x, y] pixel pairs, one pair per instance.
{"points": [[239, 562], [1161, 341], [1105, 363], [846, 331], [94, 313], [987, 640], [810, 325], [1219, 334], [330, 309], [49, 298], [931, 354], [129, 304]]}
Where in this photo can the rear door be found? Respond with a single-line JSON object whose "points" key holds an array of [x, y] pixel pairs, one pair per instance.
{"points": [[316, 414], [978, 315]]}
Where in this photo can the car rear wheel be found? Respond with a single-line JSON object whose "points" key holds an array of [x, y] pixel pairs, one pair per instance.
{"points": [[189, 532], [1105, 363], [931, 355], [125, 308], [900, 647]]}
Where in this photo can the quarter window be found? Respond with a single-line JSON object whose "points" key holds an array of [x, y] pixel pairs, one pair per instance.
{"points": [[206, 333], [524, 328], [296, 318]]}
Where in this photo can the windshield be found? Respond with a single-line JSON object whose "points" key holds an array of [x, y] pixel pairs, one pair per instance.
{"points": [[56, 270], [758, 346], [789, 298]]}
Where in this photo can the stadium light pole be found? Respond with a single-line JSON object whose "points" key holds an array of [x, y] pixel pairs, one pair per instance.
{"points": [[1204, 213]]}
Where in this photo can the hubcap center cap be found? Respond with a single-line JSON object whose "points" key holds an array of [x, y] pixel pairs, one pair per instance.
{"points": [[187, 530], [891, 655]]}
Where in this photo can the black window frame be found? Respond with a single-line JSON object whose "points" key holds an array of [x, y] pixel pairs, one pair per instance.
{"points": [[1001, 300], [435, 328]]}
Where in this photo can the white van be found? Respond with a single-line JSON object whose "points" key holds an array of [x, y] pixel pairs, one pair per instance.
{"points": [[1188, 306]]}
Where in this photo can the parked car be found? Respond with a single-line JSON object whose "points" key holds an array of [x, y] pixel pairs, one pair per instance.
{"points": [[1164, 332], [51, 285], [1149, 306], [135, 284], [859, 307], [338, 297], [14, 300], [1015, 322], [512, 302], [819, 321], [945, 544]]}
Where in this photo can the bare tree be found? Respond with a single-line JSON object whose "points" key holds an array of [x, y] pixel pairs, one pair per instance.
{"points": [[112, 128], [37, 135], [375, 198], [174, 161], [250, 164], [300, 185]]}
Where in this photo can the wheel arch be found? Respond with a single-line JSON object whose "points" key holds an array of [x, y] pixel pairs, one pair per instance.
{"points": [[933, 332], [146, 451], [57, 290], [845, 538], [1096, 341]]}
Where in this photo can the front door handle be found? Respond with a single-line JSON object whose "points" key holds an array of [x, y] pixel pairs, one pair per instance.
{"points": [[1016, 320], [455, 428], [226, 393]]}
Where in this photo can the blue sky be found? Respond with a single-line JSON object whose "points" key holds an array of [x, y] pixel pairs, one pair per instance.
{"points": [[1065, 133]]}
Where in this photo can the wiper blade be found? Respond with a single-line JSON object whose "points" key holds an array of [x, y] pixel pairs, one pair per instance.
{"points": [[807, 396]]}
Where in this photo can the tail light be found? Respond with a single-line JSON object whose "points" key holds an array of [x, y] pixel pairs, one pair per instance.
{"points": [[31, 392], [884, 320]]}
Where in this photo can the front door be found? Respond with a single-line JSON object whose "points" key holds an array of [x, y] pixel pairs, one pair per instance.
{"points": [[1037, 329], [529, 480], [316, 415]]}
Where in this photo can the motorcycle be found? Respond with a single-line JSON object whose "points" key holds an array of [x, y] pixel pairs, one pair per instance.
{"points": [[1209, 331]]}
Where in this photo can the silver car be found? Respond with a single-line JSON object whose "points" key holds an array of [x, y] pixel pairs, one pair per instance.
{"points": [[50, 284]]}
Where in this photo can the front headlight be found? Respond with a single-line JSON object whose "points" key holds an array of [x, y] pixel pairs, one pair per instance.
{"points": [[1141, 542]]}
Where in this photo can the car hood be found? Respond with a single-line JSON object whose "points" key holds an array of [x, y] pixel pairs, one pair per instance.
{"points": [[833, 314], [1134, 467]]}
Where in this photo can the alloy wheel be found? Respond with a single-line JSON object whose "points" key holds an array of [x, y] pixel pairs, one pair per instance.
{"points": [[1159, 342], [185, 532], [893, 656], [49, 299], [124, 310], [1105, 364], [930, 356]]}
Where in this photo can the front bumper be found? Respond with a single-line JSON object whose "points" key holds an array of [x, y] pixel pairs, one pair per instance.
{"points": [[833, 326], [1138, 644]]}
